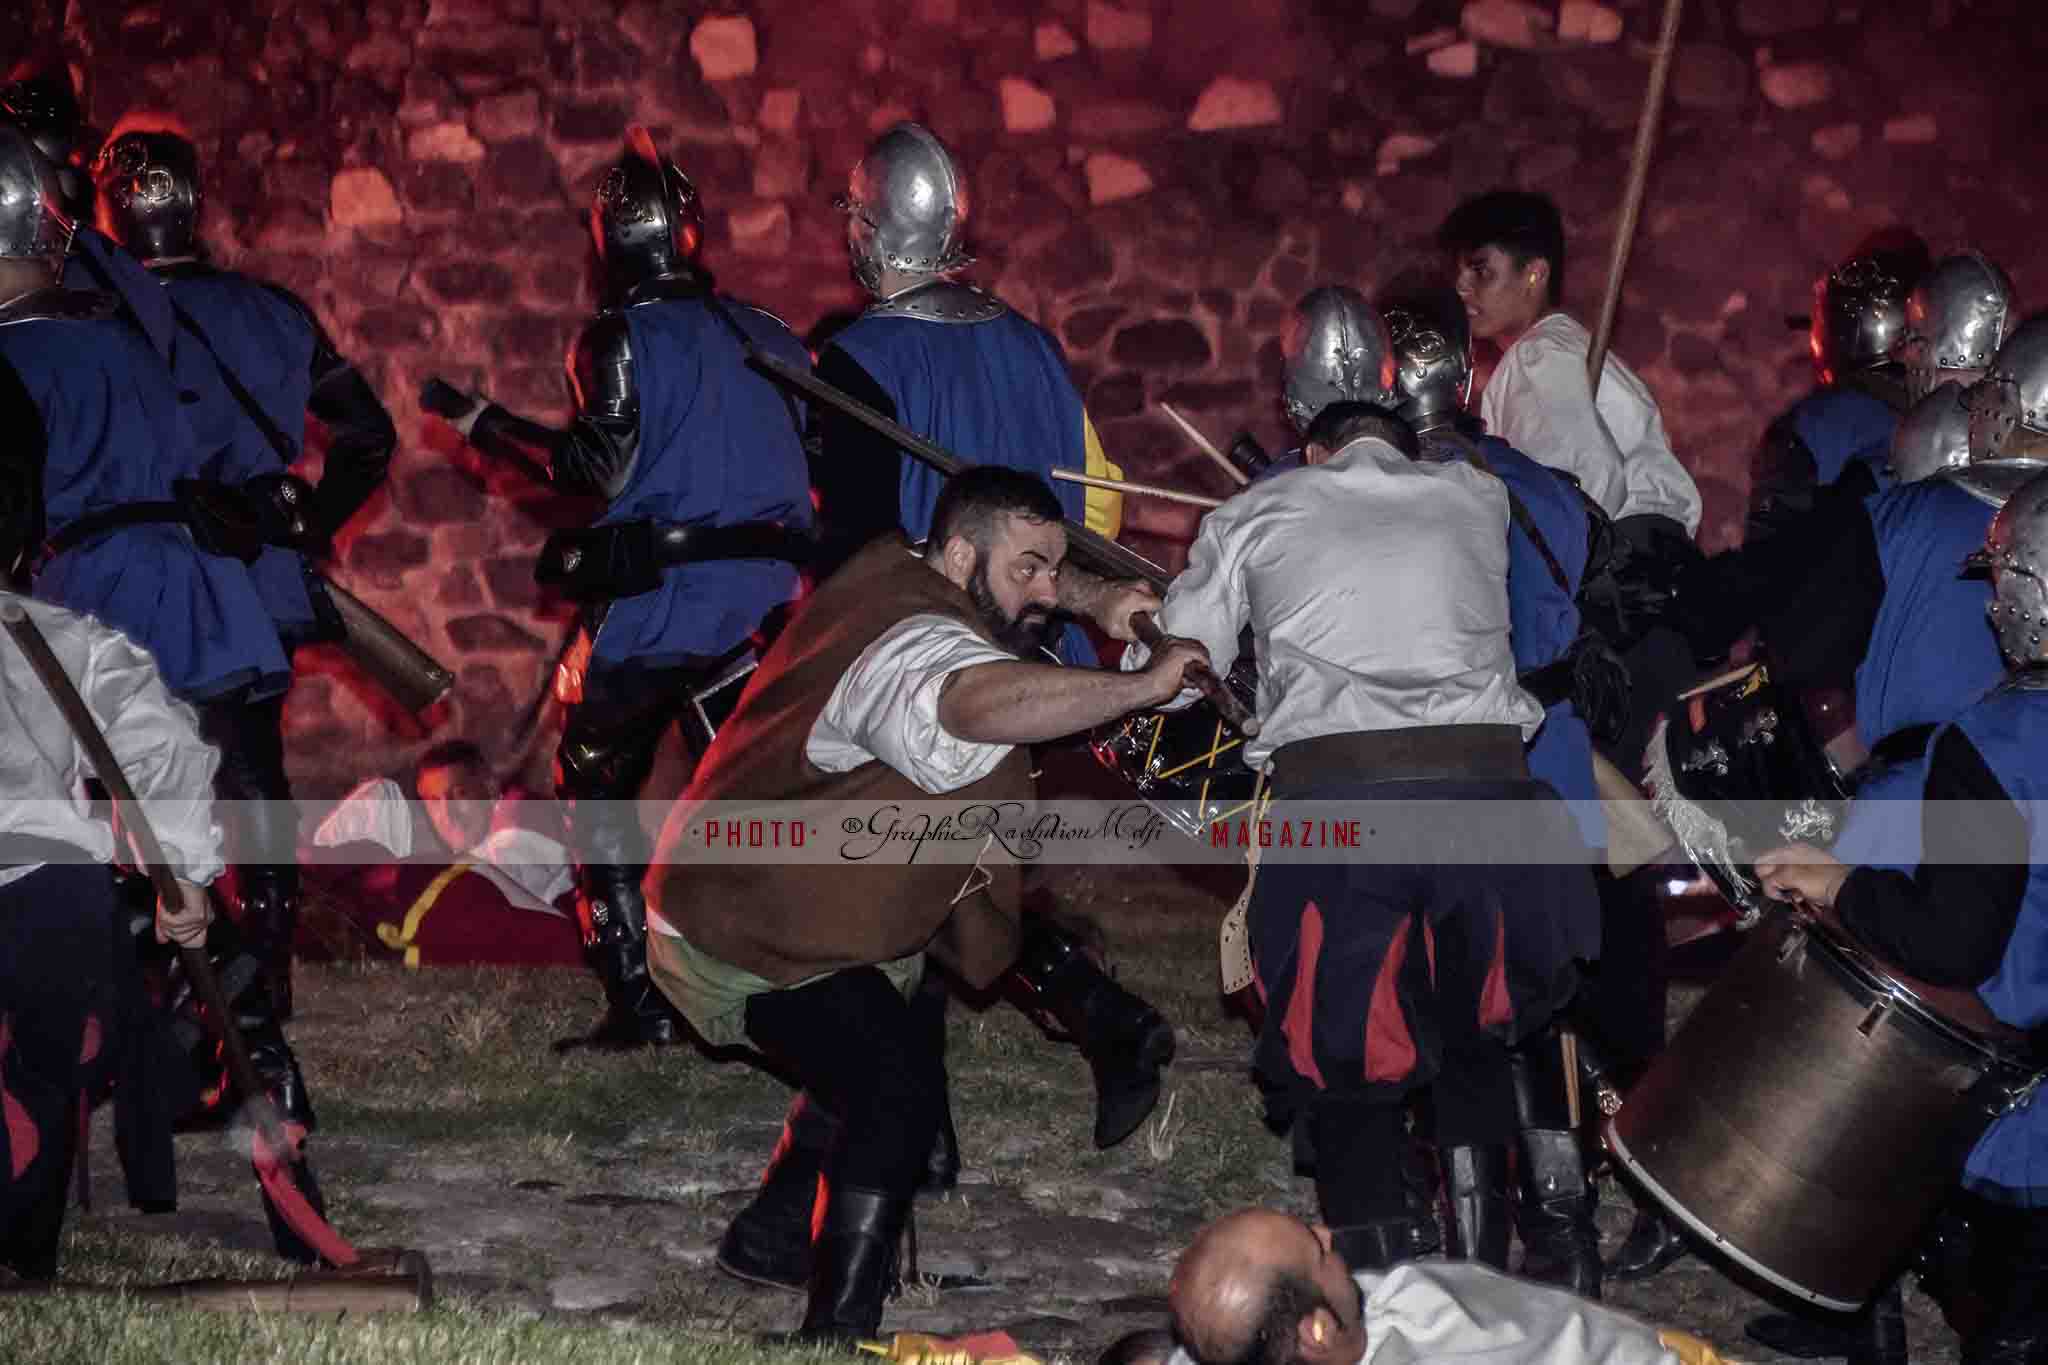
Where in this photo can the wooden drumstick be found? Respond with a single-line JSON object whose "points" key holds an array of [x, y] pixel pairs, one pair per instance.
{"points": [[1202, 676], [1206, 446], [1150, 490]]}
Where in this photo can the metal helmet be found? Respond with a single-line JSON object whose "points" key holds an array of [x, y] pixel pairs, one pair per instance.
{"points": [[33, 224], [1933, 436], [1337, 350], [2016, 553], [149, 197], [906, 205], [43, 105], [1956, 319], [646, 219], [1432, 349], [2009, 413], [1859, 313]]}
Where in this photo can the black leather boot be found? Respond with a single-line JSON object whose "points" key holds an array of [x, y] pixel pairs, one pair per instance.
{"points": [[1126, 1041], [1556, 1202], [1875, 1336], [770, 1241], [853, 1266], [248, 986], [928, 1013], [637, 1014], [1653, 1242], [1476, 1188], [1378, 1245]]}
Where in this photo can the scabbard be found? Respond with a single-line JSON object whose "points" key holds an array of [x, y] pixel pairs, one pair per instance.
{"points": [[411, 675]]}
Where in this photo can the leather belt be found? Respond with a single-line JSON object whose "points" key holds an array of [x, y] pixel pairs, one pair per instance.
{"points": [[1416, 753]]}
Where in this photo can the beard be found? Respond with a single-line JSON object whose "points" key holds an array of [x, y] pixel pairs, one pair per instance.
{"points": [[1023, 634]]}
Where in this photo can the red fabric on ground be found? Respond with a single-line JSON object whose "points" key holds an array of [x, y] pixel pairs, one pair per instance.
{"points": [[470, 923]]}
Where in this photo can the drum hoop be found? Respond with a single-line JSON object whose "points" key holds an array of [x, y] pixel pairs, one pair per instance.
{"points": [[1616, 1145], [1855, 964]]}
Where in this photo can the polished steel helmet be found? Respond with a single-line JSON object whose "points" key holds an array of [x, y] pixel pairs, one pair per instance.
{"points": [[1432, 347], [1956, 319], [149, 197], [2016, 553], [1859, 314], [1933, 436], [906, 207], [646, 218], [33, 224], [1337, 350], [43, 104], [2009, 413]]}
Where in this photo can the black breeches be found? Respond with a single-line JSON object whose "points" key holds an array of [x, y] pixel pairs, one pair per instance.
{"points": [[1622, 999], [856, 1046], [607, 750], [262, 822], [62, 953]]}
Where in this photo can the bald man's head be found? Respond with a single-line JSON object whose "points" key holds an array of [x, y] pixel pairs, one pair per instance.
{"points": [[1260, 1288]]}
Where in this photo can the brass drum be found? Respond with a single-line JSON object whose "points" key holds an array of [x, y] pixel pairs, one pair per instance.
{"points": [[1816, 1108]]}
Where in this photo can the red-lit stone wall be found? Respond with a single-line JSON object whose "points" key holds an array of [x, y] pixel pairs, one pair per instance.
{"points": [[1155, 180]]}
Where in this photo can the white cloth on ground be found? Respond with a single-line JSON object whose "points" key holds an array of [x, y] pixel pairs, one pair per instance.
{"points": [[529, 868]]}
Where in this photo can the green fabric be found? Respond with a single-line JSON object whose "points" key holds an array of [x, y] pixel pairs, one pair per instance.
{"points": [[713, 995]]}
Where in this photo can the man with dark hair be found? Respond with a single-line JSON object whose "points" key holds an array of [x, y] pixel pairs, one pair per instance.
{"points": [[1376, 585], [1260, 1288], [1507, 249], [890, 686]]}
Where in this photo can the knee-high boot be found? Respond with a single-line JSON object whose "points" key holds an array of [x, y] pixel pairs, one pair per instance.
{"points": [[1476, 1189], [1554, 1214], [637, 1014], [770, 1241], [853, 1266], [1127, 1042]]}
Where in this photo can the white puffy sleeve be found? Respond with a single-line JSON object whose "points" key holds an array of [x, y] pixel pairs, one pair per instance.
{"points": [[155, 739]]}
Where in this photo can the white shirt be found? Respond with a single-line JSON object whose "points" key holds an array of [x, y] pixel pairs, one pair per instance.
{"points": [[887, 707], [1539, 402], [155, 738], [1376, 589], [1469, 1313], [531, 870]]}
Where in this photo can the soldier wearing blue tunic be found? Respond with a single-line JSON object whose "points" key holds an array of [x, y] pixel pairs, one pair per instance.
{"points": [[700, 461], [97, 414], [1971, 910], [252, 362]]}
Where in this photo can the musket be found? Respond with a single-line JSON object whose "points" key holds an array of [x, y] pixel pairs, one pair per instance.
{"points": [[1632, 196]]}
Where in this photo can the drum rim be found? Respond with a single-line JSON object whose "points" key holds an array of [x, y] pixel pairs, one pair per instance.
{"points": [[1850, 959], [1671, 1205]]}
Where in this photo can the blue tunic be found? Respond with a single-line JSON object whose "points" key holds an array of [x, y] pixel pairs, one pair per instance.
{"points": [[993, 392], [716, 447], [2009, 727], [1931, 650], [1841, 427], [1544, 620], [268, 345], [116, 435]]}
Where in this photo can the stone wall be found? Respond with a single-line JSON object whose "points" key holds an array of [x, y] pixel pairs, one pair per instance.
{"points": [[1153, 179]]}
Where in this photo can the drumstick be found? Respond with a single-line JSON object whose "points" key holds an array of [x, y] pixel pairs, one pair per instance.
{"points": [[1205, 445], [1151, 490], [1202, 676]]}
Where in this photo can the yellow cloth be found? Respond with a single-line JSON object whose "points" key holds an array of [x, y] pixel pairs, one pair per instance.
{"points": [[1105, 506], [1689, 1348], [402, 936]]}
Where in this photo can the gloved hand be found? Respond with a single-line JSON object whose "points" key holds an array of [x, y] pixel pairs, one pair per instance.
{"points": [[458, 408]]}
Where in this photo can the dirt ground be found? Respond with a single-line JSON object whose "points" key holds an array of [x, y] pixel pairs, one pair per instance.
{"points": [[598, 1185]]}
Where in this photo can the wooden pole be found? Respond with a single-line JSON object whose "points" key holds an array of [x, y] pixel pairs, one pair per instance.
{"points": [[1202, 676], [1206, 446], [1150, 490], [1632, 196]]}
